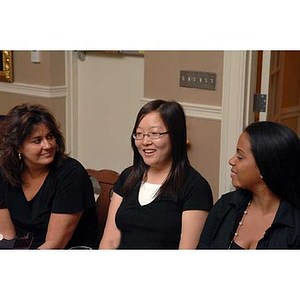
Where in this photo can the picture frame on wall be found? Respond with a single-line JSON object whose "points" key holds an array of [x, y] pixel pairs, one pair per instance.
{"points": [[6, 66]]}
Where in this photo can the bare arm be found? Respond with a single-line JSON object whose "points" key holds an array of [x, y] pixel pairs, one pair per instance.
{"points": [[7, 228], [60, 230], [192, 225], [112, 235]]}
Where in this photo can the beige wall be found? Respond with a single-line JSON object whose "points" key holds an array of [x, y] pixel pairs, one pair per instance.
{"points": [[56, 105], [162, 69], [110, 90], [204, 151], [50, 72]]}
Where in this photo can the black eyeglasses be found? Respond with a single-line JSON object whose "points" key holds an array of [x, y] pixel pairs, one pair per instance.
{"points": [[150, 135]]}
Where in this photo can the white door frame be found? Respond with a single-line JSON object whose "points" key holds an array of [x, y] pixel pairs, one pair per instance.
{"points": [[239, 78], [71, 64], [265, 79]]}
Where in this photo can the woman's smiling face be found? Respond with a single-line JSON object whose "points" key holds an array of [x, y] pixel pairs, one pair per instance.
{"points": [[155, 153], [39, 148], [244, 172]]}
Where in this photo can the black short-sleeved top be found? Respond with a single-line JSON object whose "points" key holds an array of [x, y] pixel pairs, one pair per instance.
{"points": [[67, 189], [223, 219], [157, 225]]}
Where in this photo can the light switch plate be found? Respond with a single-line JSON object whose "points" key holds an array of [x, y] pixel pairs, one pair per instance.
{"points": [[35, 56], [198, 80]]}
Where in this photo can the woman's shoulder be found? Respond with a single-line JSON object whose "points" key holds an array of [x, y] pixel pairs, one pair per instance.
{"points": [[194, 175], [125, 173], [70, 162], [68, 165], [127, 170], [235, 198]]}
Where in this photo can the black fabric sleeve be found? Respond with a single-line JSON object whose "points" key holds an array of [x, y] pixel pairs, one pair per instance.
{"points": [[197, 193], [120, 182], [210, 225]]}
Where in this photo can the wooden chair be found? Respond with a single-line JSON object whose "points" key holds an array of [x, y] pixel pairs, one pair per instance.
{"points": [[106, 179]]}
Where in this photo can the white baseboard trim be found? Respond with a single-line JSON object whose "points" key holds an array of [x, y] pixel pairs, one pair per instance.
{"points": [[34, 90], [200, 111]]}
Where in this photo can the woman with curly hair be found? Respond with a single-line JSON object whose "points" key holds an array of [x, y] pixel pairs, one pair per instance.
{"points": [[43, 191]]}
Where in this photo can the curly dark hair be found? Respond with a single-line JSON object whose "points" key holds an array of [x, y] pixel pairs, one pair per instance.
{"points": [[19, 124]]}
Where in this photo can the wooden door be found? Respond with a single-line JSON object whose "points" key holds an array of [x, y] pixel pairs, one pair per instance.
{"points": [[284, 89]]}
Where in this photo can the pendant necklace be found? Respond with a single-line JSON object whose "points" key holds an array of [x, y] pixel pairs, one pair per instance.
{"points": [[236, 234]]}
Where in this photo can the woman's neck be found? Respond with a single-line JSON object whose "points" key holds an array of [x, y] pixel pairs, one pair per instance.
{"points": [[266, 200], [157, 176], [34, 173]]}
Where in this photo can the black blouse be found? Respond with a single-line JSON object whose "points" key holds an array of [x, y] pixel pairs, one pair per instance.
{"points": [[223, 219], [65, 190], [157, 225]]}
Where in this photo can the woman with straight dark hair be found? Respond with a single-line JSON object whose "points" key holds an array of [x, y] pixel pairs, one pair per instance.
{"points": [[264, 211], [43, 192], [160, 202]]}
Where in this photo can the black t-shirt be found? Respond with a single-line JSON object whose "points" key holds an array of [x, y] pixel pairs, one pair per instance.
{"points": [[157, 225], [66, 190]]}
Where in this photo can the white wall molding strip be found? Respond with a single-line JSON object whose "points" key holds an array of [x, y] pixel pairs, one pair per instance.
{"points": [[197, 110], [71, 63], [235, 81], [34, 90]]}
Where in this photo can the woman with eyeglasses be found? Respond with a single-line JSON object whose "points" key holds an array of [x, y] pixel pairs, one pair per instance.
{"points": [[161, 201]]}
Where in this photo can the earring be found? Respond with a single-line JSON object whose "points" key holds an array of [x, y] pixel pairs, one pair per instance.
{"points": [[20, 157], [261, 177]]}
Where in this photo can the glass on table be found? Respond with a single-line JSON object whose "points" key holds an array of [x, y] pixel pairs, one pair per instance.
{"points": [[80, 248]]}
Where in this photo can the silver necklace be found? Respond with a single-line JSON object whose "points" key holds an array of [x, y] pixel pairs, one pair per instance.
{"points": [[236, 234]]}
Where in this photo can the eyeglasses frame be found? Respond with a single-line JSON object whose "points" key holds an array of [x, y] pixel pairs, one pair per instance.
{"points": [[148, 135]]}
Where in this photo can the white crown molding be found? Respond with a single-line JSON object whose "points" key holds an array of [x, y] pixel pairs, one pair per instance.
{"points": [[34, 90], [197, 110]]}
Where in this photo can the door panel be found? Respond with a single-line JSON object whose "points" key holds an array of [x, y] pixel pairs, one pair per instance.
{"points": [[284, 89]]}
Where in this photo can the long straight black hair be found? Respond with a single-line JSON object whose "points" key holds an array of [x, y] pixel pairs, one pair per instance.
{"points": [[173, 117], [276, 149]]}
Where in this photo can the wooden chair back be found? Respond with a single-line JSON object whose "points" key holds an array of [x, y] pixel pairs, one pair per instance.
{"points": [[106, 179]]}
